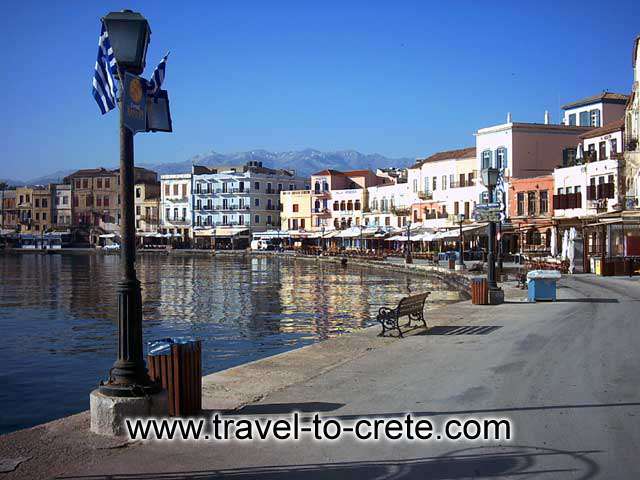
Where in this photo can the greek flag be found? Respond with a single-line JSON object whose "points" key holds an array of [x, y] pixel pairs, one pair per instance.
{"points": [[104, 83], [157, 78]]}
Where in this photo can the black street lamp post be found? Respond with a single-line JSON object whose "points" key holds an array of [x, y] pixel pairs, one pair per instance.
{"points": [[461, 220], [408, 258], [129, 35], [490, 178], [361, 245]]}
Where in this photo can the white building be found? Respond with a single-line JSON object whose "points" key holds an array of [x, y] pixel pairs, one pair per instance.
{"points": [[443, 184], [389, 205], [62, 205], [595, 111], [632, 135], [523, 150], [586, 190], [175, 204], [247, 196]]}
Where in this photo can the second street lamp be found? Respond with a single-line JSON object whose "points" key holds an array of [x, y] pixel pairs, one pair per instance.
{"points": [[490, 178], [460, 265], [408, 258]]}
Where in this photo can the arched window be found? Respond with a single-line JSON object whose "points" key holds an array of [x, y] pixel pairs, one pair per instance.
{"points": [[317, 205], [343, 205], [317, 187], [357, 205], [336, 205], [325, 186], [336, 223], [350, 205]]}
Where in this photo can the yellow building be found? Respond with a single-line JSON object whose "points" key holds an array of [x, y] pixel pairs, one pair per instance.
{"points": [[296, 210]]}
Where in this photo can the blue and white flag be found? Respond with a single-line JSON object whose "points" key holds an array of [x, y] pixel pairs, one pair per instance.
{"points": [[104, 83], [157, 78]]}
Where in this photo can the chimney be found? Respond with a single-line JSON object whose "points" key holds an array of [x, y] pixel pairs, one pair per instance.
{"points": [[547, 117], [508, 117]]}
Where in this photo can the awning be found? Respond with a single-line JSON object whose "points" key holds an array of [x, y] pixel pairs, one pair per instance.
{"points": [[350, 233], [397, 238], [271, 234], [107, 235]]}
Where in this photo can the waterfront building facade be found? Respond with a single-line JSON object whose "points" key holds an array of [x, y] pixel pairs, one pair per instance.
{"points": [[62, 209], [296, 210], [632, 135], [175, 205], [389, 205], [8, 211], [531, 214], [338, 198], [34, 209], [245, 197], [443, 184], [147, 205]]}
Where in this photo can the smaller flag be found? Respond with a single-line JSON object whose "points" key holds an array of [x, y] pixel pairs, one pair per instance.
{"points": [[158, 77], [106, 69]]}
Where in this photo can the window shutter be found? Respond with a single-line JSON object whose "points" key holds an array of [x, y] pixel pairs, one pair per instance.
{"points": [[504, 158]]}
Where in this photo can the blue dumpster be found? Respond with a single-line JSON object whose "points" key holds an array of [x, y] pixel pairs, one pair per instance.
{"points": [[542, 285]]}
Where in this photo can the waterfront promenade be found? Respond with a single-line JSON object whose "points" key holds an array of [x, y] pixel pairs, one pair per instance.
{"points": [[565, 373]]}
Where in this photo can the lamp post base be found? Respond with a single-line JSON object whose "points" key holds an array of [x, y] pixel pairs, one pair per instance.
{"points": [[496, 296], [108, 413]]}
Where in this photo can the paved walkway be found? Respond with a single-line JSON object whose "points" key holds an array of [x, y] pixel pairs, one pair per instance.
{"points": [[566, 374]]}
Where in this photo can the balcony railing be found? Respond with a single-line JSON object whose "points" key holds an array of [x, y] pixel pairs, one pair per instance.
{"points": [[401, 211], [320, 211], [422, 195]]}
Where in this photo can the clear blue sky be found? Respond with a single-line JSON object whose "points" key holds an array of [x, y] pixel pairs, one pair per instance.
{"points": [[397, 78]]}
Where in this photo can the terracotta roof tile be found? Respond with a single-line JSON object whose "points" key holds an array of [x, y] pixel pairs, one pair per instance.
{"points": [[603, 130], [608, 97], [468, 152]]}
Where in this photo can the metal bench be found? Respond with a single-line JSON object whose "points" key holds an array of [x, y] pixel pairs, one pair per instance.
{"points": [[412, 307]]}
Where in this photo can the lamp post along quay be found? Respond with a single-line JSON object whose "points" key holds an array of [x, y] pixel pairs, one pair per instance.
{"points": [[460, 263], [408, 258], [128, 392], [496, 294]]}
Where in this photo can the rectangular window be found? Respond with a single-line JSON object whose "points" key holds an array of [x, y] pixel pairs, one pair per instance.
{"points": [[99, 183], [452, 180], [295, 207], [106, 201], [37, 200], [256, 219], [184, 189], [520, 203], [98, 201], [415, 185], [256, 185], [572, 119], [595, 117], [167, 190], [175, 189], [44, 216], [444, 182], [602, 150], [614, 146], [85, 183], [301, 222], [256, 202], [138, 210], [456, 208], [107, 183], [486, 159], [462, 180], [531, 204], [500, 158], [167, 212], [585, 119], [435, 183]]}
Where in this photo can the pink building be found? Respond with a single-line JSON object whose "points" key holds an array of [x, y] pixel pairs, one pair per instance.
{"points": [[338, 198]]}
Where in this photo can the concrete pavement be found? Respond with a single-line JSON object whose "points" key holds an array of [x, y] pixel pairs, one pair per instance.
{"points": [[565, 373]]}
